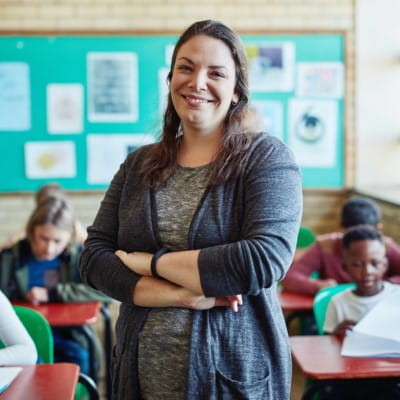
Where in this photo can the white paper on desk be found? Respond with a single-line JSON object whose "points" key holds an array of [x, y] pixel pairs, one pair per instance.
{"points": [[358, 344], [378, 333], [384, 319], [7, 375]]}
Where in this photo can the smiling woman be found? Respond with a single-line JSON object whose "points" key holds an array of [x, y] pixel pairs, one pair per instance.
{"points": [[192, 237]]}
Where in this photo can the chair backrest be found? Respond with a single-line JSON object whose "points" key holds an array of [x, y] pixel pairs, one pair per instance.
{"points": [[321, 301], [305, 238], [39, 330]]}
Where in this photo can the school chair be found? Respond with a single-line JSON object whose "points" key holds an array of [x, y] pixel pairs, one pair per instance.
{"points": [[306, 237], [41, 334], [321, 302]]}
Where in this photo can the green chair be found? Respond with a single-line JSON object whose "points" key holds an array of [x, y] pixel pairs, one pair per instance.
{"points": [[321, 301], [40, 332], [305, 238]]}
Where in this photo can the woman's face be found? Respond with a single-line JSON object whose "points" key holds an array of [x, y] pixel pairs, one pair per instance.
{"points": [[203, 83], [48, 241]]}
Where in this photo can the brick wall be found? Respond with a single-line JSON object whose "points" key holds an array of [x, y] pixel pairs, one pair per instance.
{"points": [[321, 208]]}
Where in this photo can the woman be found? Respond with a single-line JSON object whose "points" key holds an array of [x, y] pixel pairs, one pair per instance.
{"points": [[44, 268], [201, 320], [19, 348]]}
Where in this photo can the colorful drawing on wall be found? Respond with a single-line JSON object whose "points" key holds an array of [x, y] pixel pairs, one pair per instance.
{"points": [[320, 79], [313, 131], [50, 160], [271, 66], [65, 108], [112, 87], [105, 153], [269, 115], [15, 99]]}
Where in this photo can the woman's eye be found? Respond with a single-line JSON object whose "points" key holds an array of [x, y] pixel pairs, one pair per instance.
{"points": [[218, 74], [183, 68]]}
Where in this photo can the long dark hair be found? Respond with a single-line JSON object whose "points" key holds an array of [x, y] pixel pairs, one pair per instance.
{"points": [[160, 163]]}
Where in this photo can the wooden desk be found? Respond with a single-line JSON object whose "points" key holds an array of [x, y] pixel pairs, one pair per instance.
{"points": [[295, 304], [44, 382], [66, 314], [318, 357]]}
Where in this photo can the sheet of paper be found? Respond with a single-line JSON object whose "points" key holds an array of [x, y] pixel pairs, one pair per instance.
{"points": [[378, 333], [105, 153], [7, 375], [357, 344], [65, 108], [15, 97], [50, 160], [384, 319]]}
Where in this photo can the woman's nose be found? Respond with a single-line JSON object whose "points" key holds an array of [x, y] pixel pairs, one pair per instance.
{"points": [[198, 81]]}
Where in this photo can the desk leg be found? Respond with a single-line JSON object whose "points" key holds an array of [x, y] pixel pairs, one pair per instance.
{"points": [[89, 335], [107, 347]]}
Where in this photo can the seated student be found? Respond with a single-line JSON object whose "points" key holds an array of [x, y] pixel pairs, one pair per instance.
{"points": [[365, 261], [19, 348], [44, 268], [325, 256], [46, 191]]}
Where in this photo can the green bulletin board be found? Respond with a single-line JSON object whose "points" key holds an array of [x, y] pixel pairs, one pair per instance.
{"points": [[29, 64]]}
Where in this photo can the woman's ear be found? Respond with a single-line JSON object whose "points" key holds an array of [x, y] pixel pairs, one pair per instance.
{"points": [[235, 99]]}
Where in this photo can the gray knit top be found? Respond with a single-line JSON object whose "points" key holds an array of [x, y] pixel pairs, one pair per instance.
{"points": [[163, 347]]}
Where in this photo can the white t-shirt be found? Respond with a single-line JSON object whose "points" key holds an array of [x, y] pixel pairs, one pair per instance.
{"points": [[19, 347], [348, 306]]}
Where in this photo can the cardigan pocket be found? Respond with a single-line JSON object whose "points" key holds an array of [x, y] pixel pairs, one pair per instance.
{"points": [[255, 389]]}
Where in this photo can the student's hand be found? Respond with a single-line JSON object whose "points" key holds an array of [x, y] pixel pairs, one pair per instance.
{"points": [[38, 295], [344, 326], [324, 283], [136, 261], [200, 302]]}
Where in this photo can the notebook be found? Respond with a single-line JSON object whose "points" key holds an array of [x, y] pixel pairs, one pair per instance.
{"points": [[7, 375]]}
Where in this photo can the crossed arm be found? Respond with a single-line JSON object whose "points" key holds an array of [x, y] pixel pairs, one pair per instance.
{"points": [[181, 284]]}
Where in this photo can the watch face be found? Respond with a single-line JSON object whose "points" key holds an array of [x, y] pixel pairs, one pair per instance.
{"points": [[310, 127]]}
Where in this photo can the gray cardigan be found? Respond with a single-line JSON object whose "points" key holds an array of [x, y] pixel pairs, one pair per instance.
{"points": [[247, 230]]}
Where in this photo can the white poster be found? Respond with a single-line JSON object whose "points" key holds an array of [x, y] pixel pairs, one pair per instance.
{"points": [[323, 79], [313, 131], [163, 89], [50, 160], [15, 98], [106, 152], [65, 108], [271, 66], [112, 87], [269, 114]]}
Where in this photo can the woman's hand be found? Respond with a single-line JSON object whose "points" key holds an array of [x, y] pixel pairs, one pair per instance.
{"points": [[188, 299], [136, 261]]}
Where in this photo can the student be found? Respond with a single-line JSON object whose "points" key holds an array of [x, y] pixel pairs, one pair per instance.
{"points": [[325, 257], [365, 261], [19, 347], [46, 191], [203, 320], [43, 268]]}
